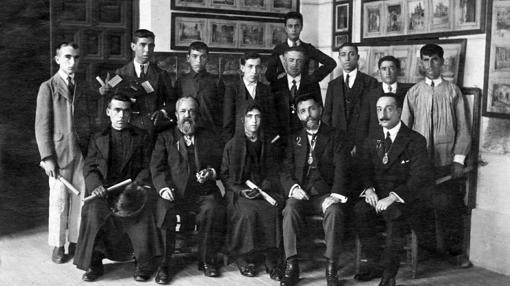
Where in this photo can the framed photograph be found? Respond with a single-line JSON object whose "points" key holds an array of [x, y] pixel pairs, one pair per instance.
{"points": [[252, 35], [275, 34], [498, 100], [403, 54], [394, 11], [502, 58], [339, 39], [223, 33], [417, 16], [266, 8], [363, 53], [188, 30], [468, 13], [342, 18], [440, 16], [372, 19]]}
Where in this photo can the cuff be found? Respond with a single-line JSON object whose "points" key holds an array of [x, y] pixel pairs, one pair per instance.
{"points": [[164, 190], [292, 189], [399, 199], [164, 112], [213, 173], [343, 199], [362, 195], [459, 158]]}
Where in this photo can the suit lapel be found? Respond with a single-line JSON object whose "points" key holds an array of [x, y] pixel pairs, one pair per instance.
{"points": [[62, 87], [131, 150], [399, 145], [180, 144], [103, 144], [322, 141], [152, 75], [301, 143]]}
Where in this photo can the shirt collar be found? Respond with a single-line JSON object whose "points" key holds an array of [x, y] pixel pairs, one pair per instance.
{"points": [[290, 43], [290, 79], [137, 66], [393, 87], [64, 76], [393, 131], [352, 74], [249, 84], [436, 81]]}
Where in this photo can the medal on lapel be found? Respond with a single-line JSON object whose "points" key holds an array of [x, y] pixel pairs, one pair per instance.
{"points": [[385, 158], [310, 159]]}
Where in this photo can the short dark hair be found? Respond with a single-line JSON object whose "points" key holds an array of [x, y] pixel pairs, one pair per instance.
{"points": [[295, 49], [66, 44], [119, 97], [293, 15], [430, 50], [349, 44], [398, 100], [305, 97], [249, 55], [198, 46], [252, 106], [142, 33], [389, 59]]}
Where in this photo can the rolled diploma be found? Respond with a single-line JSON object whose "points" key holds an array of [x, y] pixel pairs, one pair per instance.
{"points": [[265, 195]]}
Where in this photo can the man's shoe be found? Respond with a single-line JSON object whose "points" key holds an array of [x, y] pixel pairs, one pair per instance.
{"points": [[387, 281], [93, 273], [141, 275], [58, 255], [208, 269], [291, 275], [247, 270], [71, 249], [163, 275], [332, 274], [367, 276], [275, 273]]}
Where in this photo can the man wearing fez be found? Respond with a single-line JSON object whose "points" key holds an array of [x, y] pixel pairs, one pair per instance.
{"points": [[389, 69], [153, 105], [254, 224], [276, 69], [289, 87], [345, 95], [247, 91], [205, 87], [395, 174], [184, 166], [64, 120], [119, 222], [313, 179], [436, 108]]}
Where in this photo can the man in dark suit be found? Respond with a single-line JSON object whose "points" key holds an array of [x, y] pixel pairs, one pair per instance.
{"points": [[276, 66], [345, 94], [119, 152], [206, 88], [184, 165], [396, 172], [313, 179], [389, 69], [288, 88], [247, 91], [156, 100]]}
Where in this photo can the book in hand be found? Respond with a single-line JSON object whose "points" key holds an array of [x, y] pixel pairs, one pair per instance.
{"points": [[265, 195]]}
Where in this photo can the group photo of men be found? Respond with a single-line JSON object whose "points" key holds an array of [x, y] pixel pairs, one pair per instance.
{"points": [[250, 161]]}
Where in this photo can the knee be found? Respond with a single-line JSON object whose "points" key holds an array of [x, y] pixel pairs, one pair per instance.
{"points": [[291, 209], [335, 210]]}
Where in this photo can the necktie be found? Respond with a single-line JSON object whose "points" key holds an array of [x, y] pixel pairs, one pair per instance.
{"points": [[390, 89], [346, 90], [432, 84], [387, 142], [293, 89], [142, 72], [70, 86]]}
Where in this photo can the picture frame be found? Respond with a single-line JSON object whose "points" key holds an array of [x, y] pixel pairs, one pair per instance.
{"points": [[266, 8], [496, 93], [225, 33], [342, 23], [421, 19], [340, 39], [342, 17]]}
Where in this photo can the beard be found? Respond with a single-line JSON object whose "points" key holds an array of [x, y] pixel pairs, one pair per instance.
{"points": [[187, 126], [311, 124]]}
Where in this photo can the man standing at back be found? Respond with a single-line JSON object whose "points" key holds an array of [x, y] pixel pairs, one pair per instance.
{"points": [[276, 67]]}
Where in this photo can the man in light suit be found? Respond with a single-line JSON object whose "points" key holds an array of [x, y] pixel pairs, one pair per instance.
{"points": [[64, 120]]}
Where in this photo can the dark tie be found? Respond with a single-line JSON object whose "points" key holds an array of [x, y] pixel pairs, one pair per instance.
{"points": [[387, 142], [346, 90], [293, 90], [432, 84], [142, 72], [70, 86], [390, 89]]}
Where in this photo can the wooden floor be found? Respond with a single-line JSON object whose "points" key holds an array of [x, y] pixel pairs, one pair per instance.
{"points": [[24, 260]]}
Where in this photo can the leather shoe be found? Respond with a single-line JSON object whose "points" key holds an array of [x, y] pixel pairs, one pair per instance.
{"points": [[208, 269], [93, 273], [332, 274], [275, 273], [163, 275], [387, 281], [71, 249], [247, 270], [367, 276], [141, 275], [291, 275], [58, 255]]}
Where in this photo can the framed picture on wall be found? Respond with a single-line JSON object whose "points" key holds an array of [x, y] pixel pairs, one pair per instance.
{"points": [[223, 33], [373, 19], [394, 11], [266, 8], [275, 34], [342, 22], [342, 17], [417, 16], [440, 15], [188, 30], [252, 35], [339, 40]]}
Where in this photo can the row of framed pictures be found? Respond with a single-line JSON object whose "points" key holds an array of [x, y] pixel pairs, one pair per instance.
{"points": [[419, 18], [226, 33], [268, 8], [409, 55], [342, 22]]}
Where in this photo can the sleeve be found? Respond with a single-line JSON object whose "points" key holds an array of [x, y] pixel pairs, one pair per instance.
{"points": [[229, 113], [364, 119], [274, 66], [160, 170], [341, 166], [463, 135], [169, 95], [328, 105], [143, 176], [92, 173], [407, 110], [287, 171], [220, 94], [44, 122], [226, 179], [366, 166], [327, 64]]}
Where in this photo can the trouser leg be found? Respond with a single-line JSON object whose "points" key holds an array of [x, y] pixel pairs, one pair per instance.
{"points": [[333, 224], [75, 202], [210, 220], [292, 226]]}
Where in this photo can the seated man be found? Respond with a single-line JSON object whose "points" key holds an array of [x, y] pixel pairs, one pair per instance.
{"points": [[395, 171], [313, 178], [254, 225], [118, 153], [183, 168]]}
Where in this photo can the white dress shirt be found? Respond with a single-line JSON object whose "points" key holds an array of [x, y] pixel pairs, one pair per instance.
{"points": [[352, 76], [297, 79], [386, 87], [251, 87]]}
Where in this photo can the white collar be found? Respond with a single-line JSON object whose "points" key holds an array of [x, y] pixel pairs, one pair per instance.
{"points": [[291, 43], [138, 67], [436, 81], [393, 131], [352, 76], [249, 84], [64, 75], [386, 86], [290, 79]]}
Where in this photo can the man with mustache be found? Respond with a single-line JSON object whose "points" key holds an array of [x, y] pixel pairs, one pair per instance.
{"points": [[313, 180], [395, 172], [436, 109], [184, 166]]}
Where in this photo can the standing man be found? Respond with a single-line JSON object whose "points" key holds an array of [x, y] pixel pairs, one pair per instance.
{"points": [[155, 102], [276, 66], [313, 179], [287, 89], [206, 88], [184, 166], [436, 109], [396, 172], [389, 69], [345, 94], [64, 120], [119, 152], [247, 91]]}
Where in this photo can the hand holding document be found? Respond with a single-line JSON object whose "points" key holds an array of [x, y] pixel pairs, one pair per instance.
{"points": [[265, 195], [116, 186], [66, 183]]}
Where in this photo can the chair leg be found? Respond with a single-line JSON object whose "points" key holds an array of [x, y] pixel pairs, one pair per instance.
{"points": [[357, 258], [414, 254]]}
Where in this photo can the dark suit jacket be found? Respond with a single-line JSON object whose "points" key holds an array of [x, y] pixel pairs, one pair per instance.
{"points": [[368, 121], [135, 165], [408, 171], [332, 165], [337, 114], [289, 122], [163, 97], [275, 67], [55, 123], [237, 99]]}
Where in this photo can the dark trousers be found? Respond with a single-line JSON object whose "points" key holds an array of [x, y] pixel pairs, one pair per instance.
{"points": [[293, 224], [210, 220], [366, 221]]}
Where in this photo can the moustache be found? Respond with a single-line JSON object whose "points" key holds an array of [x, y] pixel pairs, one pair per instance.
{"points": [[384, 119]]}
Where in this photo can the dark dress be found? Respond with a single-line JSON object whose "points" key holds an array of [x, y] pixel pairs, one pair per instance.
{"points": [[252, 225]]}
